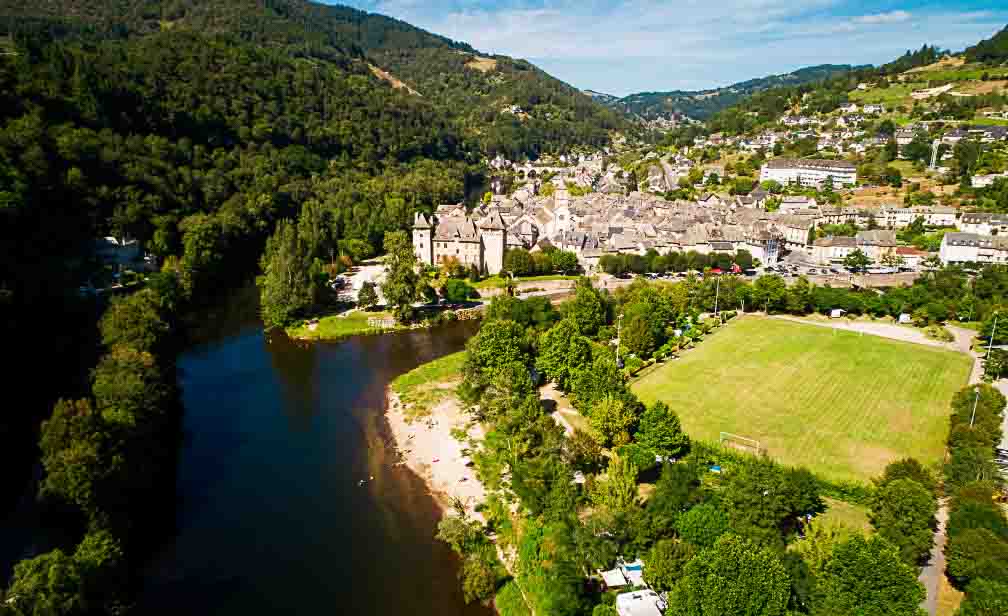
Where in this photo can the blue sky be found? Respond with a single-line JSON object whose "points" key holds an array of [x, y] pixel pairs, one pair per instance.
{"points": [[625, 46]]}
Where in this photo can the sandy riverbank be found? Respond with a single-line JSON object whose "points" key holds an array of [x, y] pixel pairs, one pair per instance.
{"points": [[428, 448]]}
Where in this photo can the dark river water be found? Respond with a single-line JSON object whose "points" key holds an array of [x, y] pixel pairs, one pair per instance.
{"points": [[270, 516]]}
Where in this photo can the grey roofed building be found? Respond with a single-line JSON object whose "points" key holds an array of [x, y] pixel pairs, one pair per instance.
{"points": [[810, 163], [876, 237], [836, 241]]}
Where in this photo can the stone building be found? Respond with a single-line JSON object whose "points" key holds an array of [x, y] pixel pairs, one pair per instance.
{"points": [[474, 243]]}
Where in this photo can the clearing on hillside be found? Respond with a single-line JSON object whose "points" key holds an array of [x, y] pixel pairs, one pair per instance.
{"points": [[481, 64], [841, 404]]}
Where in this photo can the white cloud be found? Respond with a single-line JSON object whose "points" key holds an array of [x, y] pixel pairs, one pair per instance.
{"points": [[892, 17], [621, 46]]}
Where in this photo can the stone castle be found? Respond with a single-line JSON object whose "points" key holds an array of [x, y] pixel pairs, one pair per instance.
{"points": [[452, 233]]}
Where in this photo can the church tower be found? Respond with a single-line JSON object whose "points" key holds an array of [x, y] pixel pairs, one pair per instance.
{"points": [[493, 234], [423, 244]]}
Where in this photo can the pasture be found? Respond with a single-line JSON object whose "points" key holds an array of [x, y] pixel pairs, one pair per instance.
{"points": [[841, 404]]}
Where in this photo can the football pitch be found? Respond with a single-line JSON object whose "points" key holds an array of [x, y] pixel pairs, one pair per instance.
{"points": [[841, 404]]}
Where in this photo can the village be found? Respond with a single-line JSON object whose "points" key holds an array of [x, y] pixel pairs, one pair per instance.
{"points": [[773, 228]]}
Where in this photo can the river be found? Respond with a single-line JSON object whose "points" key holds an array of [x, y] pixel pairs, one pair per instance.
{"points": [[271, 518]]}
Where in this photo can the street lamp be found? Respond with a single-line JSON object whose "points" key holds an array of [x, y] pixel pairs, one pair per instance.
{"points": [[509, 287], [717, 291], [619, 328]]}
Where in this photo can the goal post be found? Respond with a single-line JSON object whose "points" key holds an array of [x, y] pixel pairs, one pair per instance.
{"points": [[742, 443]]}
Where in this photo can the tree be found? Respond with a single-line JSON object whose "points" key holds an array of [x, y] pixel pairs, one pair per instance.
{"points": [[497, 344], [902, 512], [358, 250], [918, 150], [770, 293], [90, 581], [732, 577], [367, 297], [661, 432], [74, 443], [867, 576], [519, 262], [664, 563], [47, 584], [134, 320], [891, 259], [479, 579], [908, 468], [290, 282], [595, 382], [617, 490], [761, 502], [702, 525], [613, 421], [587, 309], [817, 544], [976, 553], [985, 598], [564, 261], [401, 279], [857, 260], [461, 533], [562, 352], [458, 291]]}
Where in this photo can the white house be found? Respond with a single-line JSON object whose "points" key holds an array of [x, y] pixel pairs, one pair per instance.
{"points": [[983, 223], [973, 248], [640, 603], [809, 172]]}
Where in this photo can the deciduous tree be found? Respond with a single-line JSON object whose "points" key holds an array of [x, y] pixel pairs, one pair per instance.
{"points": [[734, 576], [401, 278], [867, 576], [562, 352], [661, 431]]}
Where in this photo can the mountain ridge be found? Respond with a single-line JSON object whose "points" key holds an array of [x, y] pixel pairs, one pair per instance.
{"points": [[701, 104]]}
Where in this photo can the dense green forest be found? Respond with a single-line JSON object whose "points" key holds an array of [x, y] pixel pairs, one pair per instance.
{"points": [[702, 104], [993, 50], [195, 127]]}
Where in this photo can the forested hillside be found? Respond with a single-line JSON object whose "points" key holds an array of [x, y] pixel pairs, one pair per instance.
{"points": [[992, 50], [194, 127], [474, 90], [701, 104]]}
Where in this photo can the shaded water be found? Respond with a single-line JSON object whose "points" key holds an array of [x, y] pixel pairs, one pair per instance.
{"points": [[270, 515]]}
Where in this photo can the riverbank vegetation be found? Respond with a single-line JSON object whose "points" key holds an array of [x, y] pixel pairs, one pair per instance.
{"points": [[109, 464], [344, 325], [555, 530], [425, 386], [110, 127]]}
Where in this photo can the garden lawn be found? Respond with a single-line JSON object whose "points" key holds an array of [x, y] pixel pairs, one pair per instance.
{"points": [[841, 404], [496, 281], [335, 327]]}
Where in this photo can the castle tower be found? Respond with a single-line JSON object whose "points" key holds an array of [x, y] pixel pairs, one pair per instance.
{"points": [[423, 244], [493, 234]]}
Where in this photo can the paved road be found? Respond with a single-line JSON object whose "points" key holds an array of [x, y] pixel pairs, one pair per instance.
{"points": [[932, 574]]}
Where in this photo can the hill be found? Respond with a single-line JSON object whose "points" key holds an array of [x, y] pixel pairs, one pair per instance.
{"points": [[993, 50], [701, 104], [194, 126], [474, 90]]}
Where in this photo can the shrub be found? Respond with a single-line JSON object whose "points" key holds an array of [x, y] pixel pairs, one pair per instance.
{"points": [[939, 333]]}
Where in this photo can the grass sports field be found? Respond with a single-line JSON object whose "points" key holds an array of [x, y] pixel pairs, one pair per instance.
{"points": [[841, 404]]}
